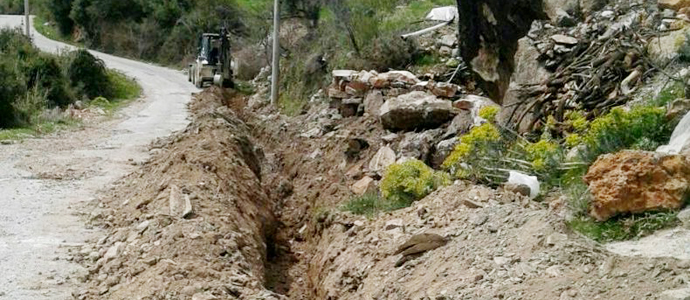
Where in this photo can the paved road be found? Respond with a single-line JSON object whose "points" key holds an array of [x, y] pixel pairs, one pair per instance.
{"points": [[43, 181]]}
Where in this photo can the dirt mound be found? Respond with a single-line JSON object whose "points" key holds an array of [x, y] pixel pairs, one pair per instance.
{"points": [[266, 192], [218, 249], [501, 246]]}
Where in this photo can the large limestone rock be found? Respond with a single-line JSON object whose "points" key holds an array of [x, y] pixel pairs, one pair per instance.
{"points": [[489, 31], [664, 48], [637, 181], [415, 110], [528, 71]]}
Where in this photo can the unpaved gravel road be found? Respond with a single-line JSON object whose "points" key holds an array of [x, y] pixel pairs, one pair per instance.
{"points": [[43, 181]]}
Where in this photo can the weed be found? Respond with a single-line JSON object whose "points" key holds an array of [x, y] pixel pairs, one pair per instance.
{"points": [[672, 91], [369, 204], [623, 227], [122, 86]]}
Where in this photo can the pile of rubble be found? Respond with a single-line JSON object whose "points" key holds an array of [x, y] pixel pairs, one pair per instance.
{"points": [[592, 65]]}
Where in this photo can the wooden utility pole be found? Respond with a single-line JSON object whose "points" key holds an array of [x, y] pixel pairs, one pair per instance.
{"points": [[276, 53], [27, 21]]}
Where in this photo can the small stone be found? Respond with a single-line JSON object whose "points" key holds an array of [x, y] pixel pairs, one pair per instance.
{"points": [[564, 39], [364, 186], [143, 226], [393, 224], [684, 264], [204, 296], [478, 220], [113, 251], [556, 238], [471, 204], [684, 217], [501, 261], [389, 138], [554, 271], [520, 189]]}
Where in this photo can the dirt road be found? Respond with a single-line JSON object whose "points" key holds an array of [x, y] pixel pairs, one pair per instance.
{"points": [[43, 181]]}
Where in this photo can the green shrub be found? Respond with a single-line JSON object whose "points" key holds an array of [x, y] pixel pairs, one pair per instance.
{"points": [[621, 129], [410, 181], [481, 146], [87, 74], [45, 72]]}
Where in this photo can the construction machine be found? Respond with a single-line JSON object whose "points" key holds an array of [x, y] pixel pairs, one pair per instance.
{"points": [[213, 63]]}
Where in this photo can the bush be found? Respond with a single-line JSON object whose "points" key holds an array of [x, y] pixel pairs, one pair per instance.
{"points": [[45, 72], [621, 129], [481, 146], [87, 74], [410, 181]]}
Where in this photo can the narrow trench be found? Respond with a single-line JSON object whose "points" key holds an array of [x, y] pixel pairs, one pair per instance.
{"points": [[279, 261]]}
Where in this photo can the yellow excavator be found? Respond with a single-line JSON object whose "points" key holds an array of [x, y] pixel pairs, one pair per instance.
{"points": [[213, 63]]}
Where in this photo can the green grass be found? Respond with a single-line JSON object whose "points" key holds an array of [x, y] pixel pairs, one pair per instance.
{"points": [[624, 227], [672, 91], [367, 205], [16, 134], [125, 90]]}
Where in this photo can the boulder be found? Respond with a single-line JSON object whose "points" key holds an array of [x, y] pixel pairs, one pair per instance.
{"points": [[418, 145], [373, 103], [673, 4], [665, 48], [637, 181], [415, 110], [381, 160], [528, 71]]}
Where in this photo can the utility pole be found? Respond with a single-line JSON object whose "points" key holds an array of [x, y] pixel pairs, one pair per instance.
{"points": [[276, 53], [27, 21]]}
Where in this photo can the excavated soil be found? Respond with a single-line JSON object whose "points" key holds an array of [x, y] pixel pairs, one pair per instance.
{"points": [[265, 192]]}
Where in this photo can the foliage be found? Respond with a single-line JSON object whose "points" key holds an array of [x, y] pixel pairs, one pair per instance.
{"points": [[621, 129], [88, 75], [481, 143], [12, 7], [624, 227], [670, 92], [34, 85], [410, 181], [368, 204], [489, 113]]}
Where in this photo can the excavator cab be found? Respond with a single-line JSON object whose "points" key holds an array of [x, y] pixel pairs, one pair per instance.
{"points": [[213, 63]]}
